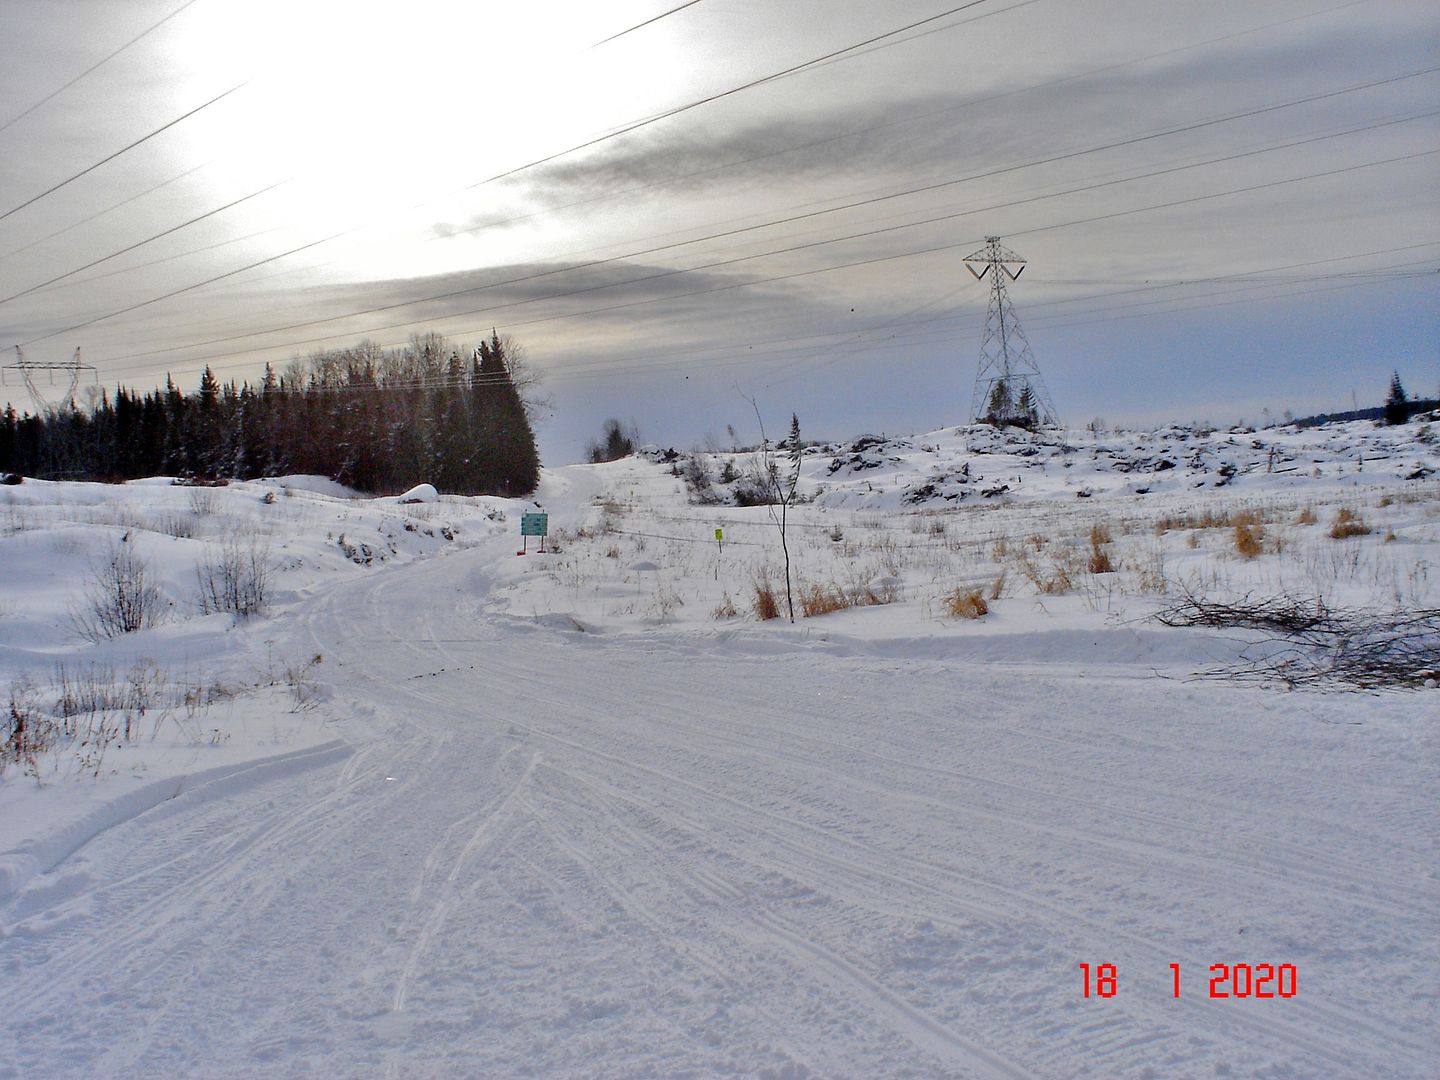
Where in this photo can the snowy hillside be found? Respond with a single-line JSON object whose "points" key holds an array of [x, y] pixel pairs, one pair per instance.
{"points": [[436, 809]]}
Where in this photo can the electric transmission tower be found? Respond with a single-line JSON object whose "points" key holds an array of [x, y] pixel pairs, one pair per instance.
{"points": [[1008, 387], [27, 369]]}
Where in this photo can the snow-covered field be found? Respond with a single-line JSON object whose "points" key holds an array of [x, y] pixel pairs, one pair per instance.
{"points": [[443, 811]]}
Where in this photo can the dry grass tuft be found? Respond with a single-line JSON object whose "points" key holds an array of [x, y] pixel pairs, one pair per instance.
{"points": [[764, 602], [726, 608], [1210, 519], [966, 604], [1100, 562], [1048, 581], [997, 587], [1306, 517], [1249, 540], [822, 600], [1347, 523]]}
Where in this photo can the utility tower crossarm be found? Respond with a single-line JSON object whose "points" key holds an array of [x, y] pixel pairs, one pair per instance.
{"points": [[27, 369]]}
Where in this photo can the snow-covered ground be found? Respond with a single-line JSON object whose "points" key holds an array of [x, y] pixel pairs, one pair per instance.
{"points": [[583, 814]]}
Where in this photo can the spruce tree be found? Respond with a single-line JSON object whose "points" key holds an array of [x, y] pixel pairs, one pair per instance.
{"points": [[514, 468], [1397, 405], [1025, 407], [999, 408]]}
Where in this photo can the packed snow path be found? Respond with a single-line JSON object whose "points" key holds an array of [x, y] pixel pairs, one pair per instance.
{"points": [[553, 854]]}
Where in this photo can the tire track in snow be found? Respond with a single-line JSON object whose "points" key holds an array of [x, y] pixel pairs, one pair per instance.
{"points": [[921, 1028], [913, 1023], [506, 669], [1323, 1037], [440, 909], [226, 863]]}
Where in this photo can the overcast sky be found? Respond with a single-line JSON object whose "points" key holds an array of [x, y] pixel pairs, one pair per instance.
{"points": [[1226, 207]]}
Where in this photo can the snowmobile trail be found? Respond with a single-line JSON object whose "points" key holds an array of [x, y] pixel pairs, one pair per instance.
{"points": [[552, 853]]}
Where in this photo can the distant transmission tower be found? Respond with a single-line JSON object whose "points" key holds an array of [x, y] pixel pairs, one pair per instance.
{"points": [[1008, 387], [27, 369]]}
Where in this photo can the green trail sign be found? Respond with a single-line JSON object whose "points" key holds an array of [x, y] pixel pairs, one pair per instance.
{"points": [[533, 525]]}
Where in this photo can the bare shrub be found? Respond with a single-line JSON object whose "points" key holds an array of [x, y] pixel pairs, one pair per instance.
{"points": [[665, 602], [120, 597], [697, 479], [178, 525], [305, 691], [1359, 648], [94, 690], [26, 733], [966, 604], [1347, 523], [726, 608], [202, 500], [1151, 576], [236, 578]]}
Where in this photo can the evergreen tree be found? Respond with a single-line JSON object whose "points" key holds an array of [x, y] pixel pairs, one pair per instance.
{"points": [[516, 461], [204, 436], [999, 409], [9, 437], [1397, 405], [1027, 414]]}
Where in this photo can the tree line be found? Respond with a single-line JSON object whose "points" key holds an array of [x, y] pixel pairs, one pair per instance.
{"points": [[378, 420]]}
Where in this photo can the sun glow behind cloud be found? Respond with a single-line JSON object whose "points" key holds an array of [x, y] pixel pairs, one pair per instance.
{"points": [[374, 107]]}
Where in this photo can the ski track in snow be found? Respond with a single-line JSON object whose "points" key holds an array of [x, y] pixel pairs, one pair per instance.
{"points": [[557, 855]]}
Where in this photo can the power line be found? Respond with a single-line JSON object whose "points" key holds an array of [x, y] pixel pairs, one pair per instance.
{"points": [[108, 209], [98, 64], [871, 261], [951, 246], [647, 22], [796, 364], [830, 56], [916, 118], [783, 73], [147, 240], [612, 367], [124, 149], [724, 234], [614, 134], [169, 258]]}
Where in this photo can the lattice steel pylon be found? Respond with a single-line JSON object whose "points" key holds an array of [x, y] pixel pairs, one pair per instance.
{"points": [[27, 369], [1008, 386]]}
